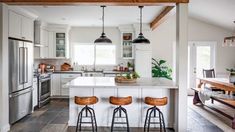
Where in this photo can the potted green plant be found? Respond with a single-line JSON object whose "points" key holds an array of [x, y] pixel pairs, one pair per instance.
{"points": [[231, 75], [130, 66], [160, 69]]}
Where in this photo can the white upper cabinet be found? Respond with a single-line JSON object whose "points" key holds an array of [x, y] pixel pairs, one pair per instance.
{"points": [[14, 25], [27, 28], [20, 27], [51, 44], [44, 37], [127, 35], [52, 40], [44, 50], [47, 40]]}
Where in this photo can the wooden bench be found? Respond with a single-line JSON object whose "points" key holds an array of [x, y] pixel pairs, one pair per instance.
{"points": [[222, 98]]}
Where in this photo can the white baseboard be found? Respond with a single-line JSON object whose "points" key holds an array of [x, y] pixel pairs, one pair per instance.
{"points": [[5, 128]]}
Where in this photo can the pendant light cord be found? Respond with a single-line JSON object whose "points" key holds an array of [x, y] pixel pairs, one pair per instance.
{"points": [[103, 20], [141, 18]]}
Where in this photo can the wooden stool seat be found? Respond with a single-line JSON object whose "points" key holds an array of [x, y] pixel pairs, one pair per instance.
{"points": [[120, 100], [156, 101], [86, 100]]}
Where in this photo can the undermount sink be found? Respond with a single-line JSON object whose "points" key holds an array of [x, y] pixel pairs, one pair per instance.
{"points": [[92, 73]]}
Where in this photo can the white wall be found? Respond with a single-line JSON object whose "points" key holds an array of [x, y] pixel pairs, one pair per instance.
{"points": [[162, 39], [89, 34], [4, 105], [201, 31], [164, 36]]}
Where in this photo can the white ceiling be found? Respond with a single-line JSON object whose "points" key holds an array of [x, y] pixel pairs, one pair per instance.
{"points": [[217, 12], [91, 15]]}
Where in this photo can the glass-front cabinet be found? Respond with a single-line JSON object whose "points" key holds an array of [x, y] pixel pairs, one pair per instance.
{"points": [[60, 45], [127, 47]]}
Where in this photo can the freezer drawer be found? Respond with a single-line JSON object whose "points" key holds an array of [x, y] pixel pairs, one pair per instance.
{"points": [[20, 104]]}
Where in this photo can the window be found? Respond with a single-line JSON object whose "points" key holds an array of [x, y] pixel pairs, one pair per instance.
{"points": [[84, 54], [105, 55]]}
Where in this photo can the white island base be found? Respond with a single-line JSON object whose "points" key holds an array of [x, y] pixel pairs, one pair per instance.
{"points": [[104, 87]]}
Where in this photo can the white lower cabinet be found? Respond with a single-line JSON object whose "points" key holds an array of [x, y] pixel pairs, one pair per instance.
{"points": [[55, 85], [59, 89], [65, 78], [35, 92]]}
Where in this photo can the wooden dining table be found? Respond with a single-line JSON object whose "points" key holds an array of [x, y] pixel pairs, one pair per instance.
{"points": [[219, 83], [223, 84]]}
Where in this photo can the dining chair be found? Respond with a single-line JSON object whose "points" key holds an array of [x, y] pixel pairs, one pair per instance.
{"points": [[210, 73]]}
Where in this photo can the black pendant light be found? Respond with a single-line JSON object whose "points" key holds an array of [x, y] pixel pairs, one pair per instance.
{"points": [[103, 38], [141, 39]]}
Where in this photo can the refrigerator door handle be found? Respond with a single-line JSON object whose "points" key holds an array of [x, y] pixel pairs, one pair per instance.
{"points": [[20, 93], [21, 65], [25, 65]]}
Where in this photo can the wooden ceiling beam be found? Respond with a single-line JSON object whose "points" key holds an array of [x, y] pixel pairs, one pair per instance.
{"points": [[95, 2], [161, 17]]}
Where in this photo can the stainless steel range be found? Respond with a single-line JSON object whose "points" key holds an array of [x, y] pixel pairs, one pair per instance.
{"points": [[44, 89]]}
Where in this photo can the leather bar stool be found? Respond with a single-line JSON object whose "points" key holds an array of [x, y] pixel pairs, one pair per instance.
{"points": [[153, 111], [88, 111], [120, 101]]}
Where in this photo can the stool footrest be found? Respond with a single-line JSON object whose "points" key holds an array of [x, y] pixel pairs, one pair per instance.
{"points": [[119, 117], [86, 122], [119, 130], [154, 122], [119, 122]]}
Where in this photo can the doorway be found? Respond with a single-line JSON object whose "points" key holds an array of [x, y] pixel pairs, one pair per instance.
{"points": [[201, 56]]}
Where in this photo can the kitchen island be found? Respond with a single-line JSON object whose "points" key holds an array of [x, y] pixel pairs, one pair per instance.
{"points": [[104, 87]]}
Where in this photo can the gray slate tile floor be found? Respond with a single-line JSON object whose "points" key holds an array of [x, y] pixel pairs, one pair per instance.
{"points": [[54, 117]]}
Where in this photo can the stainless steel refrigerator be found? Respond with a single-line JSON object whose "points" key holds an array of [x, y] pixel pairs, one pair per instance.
{"points": [[20, 78]]}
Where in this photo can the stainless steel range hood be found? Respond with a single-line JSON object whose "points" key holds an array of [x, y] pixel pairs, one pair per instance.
{"points": [[38, 25]]}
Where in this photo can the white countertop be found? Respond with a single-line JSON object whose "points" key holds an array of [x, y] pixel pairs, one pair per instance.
{"points": [[115, 72], [69, 72], [108, 82]]}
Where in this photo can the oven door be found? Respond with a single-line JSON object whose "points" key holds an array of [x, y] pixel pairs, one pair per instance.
{"points": [[44, 90]]}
